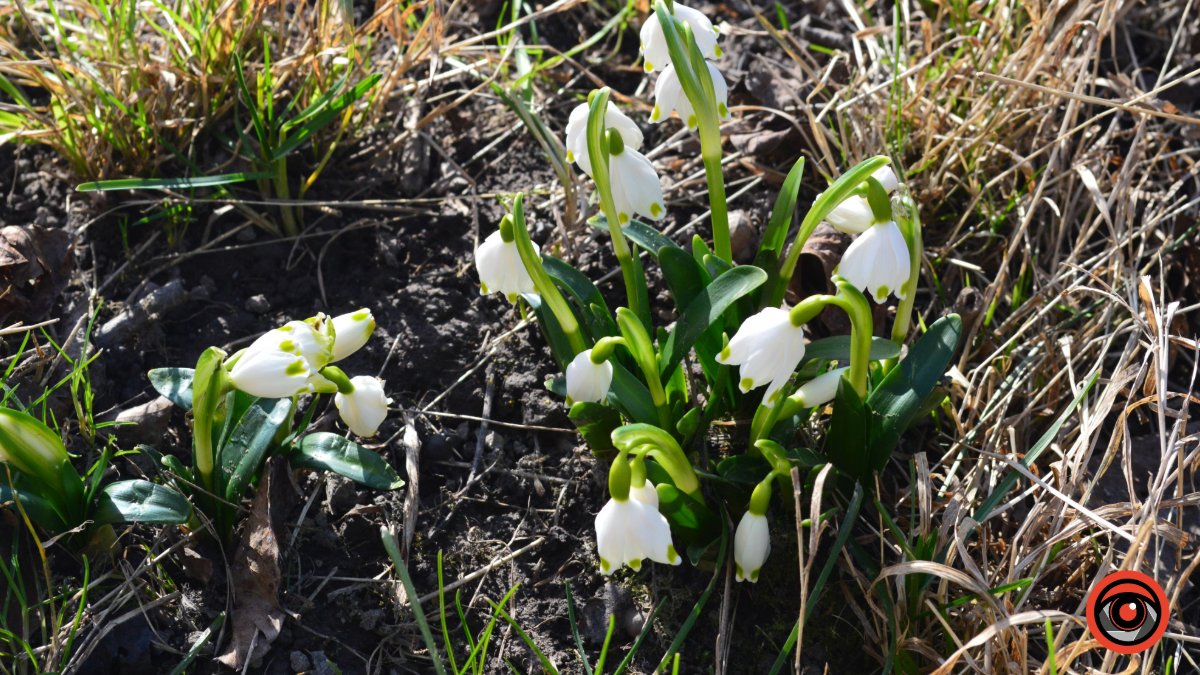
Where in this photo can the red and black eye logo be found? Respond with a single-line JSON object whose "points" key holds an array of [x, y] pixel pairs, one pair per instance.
{"points": [[1127, 612]]}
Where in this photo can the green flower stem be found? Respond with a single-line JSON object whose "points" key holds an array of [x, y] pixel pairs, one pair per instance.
{"points": [[637, 476], [836, 194], [663, 449], [597, 142], [339, 378], [856, 306], [781, 468], [910, 224], [541, 281], [605, 347], [620, 474], [638, 342], [698, 87], [760, 499]]}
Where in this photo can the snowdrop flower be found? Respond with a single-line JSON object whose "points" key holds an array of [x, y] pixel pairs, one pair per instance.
{"points": [[654, 43], [854, 214], [634, 183], [877, 263], [500, 267], [351, 331], [365, 407], [628, 530], [283, 362], [669, 96], [577, 150], [767, 348], [588, 381], [751, 546], [819, 390]]}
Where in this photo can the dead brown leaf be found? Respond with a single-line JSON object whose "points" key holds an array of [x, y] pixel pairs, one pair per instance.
{"points": [[35, 265]]}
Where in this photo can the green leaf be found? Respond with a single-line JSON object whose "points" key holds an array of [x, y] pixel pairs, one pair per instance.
{"points": [[599, 320], [705, 309], [898, 398], [837, 348], [140, 501], [175, 384], [744, 469], [40, 511], [327, 115], [691, 520], [806, 458], [210, 382], [640, 233], [243, 455], [770, 250], [171, 183], [849, 432], [596, 423], [632, 396], [560, 345], [331, 452]]}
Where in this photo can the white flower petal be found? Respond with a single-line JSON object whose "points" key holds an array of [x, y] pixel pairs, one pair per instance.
{"points": [[751, 546], [877, 262], [654, 42], [364, 409], [577, 149], [645, 494], [271, 373], [634, 176], [851, 216], [500, 268], [587, 381], [630, 530], [767, 348], [821, 389], [351, 331]]}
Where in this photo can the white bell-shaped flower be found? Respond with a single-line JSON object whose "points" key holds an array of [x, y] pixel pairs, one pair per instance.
{"points": [[272, 372], [654, 43], [587, 381], [365, 408], [877, 263], [500, 268], [854, 214], [635, 186], [751, 546], [645, 494], [577, 149], [669, 96], [628, 531], [819, 390], [767, 348], [351, 331]]}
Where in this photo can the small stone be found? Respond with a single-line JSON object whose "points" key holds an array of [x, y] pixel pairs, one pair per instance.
{"points": [[464, 431], [741, 236], [146, 423], [247, 234], [494, 442], [200, 293], [258, 304], [635, 620], [341, 495], [438, 449], [300, 662], [321, 664]]}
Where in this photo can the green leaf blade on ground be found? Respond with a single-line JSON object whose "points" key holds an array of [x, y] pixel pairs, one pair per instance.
{"points": [[705, 309], [170, 183], [175, 384], [140, 501], [331, 452]]}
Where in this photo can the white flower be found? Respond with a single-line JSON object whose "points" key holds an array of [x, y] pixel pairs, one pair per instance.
{"points": [[350, 332], [767, 348], [629, 530], [271, 372], [587, 381], [669, 96], [854, 214], [635, 186], [577, 148], [751, 546], [365, 408], [654, 43], [645, 494], [500, 267], [819, 390], [877, 262]]}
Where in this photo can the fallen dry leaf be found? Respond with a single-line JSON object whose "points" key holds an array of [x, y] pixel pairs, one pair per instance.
{"points": [[35, 265], [256, 569]]}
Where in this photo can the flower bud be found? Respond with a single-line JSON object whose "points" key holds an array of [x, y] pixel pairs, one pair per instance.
{"points": [[364, 408], [350, 332], [588, 381]]}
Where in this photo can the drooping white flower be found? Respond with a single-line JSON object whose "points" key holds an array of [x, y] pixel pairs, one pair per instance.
{"points": [[500, 268], [767, 348], [645, 494], [669, 96], [587, 381], [854, 214], [751, 546], [577, 149], [654, 43], [364, 409], [819, 390], [351, 331], [635, 186], [283, 362], [628, 531], [877, 263]]}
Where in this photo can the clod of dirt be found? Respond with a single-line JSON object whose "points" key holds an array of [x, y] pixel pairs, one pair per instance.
{"points": [[439, 448], [742, 236], [321, 664], [635, 621], [299, 661], [144, 312], [257, 304], [340, 494], [494, 442], [611, 601], [35, 266], [146, 423]]}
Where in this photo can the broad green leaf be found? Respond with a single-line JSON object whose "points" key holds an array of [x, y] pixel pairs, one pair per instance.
{"points": [[770, 250], [325, 116], [685, 277], [175, 384], [705, 309], [849, 432], [140, 501], [596, 423], [331, 452], [806, 458], [599, 321], [744, 469], [691, 520], [632, 396], [552, 331], [40, 511], [243, 455], [898, 398], [171, 183], [837, 348], [209, 385], [640, 233]]}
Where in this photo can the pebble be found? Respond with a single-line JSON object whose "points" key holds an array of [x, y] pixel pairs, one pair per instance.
{"points": [[258, 304], [300, 662]]}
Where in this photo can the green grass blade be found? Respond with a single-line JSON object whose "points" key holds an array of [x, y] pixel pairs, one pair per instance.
{"points": [[319, 120], [196, 648], [170, 183], [587, 668], [442, 607], [546, 663], [393, 549], [695, 614], [640, 638]]}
